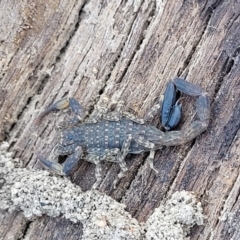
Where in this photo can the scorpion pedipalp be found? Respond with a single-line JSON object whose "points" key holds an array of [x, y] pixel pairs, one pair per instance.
{"points": [[68, 165]]}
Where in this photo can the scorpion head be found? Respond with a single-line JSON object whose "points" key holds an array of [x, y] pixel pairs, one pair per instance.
{"points": [[67, 137], [67, 143]]}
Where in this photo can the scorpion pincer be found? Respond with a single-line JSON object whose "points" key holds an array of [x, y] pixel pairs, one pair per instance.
{"points": [[111, 136]]}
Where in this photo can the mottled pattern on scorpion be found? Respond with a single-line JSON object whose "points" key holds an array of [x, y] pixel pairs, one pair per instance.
{"points": [[111, 136]]}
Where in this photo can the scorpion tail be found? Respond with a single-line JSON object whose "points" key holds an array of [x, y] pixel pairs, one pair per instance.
{"points": [[203, 113]]}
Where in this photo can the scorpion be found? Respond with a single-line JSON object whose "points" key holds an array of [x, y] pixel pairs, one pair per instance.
{"points": [[111, 136]]}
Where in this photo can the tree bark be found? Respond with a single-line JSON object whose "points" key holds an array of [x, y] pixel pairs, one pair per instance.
{"points": [[126, 50]]}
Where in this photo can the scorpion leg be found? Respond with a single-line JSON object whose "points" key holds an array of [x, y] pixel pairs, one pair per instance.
{"points": [[122, 173], [68, 165], [143, 142], [150, 160], [100, 110], [111, 154], [98, 174], [97, 116], [98, 170], [115, 155], [96, 159], [121, 159], [125, 150], [133, 118], [118, 113], [155, 110], [202, 110]]}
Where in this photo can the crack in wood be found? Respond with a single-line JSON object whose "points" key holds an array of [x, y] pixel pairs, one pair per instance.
{"points": [[25, 229], [72, 34], [209, 13], [229, 133], [140, 41], [137, 47]]}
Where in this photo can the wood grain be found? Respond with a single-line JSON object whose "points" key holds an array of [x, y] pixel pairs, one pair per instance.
{"points": [[126, 50]]}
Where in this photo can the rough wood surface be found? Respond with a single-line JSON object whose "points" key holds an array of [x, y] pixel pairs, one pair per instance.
{"points": [[126, 50]]}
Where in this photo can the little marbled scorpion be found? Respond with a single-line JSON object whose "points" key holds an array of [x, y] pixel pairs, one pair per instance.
{"points": [[110, 136]]}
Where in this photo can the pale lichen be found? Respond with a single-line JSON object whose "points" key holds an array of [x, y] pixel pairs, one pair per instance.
{"points": [[174, 219], [38, 192]]}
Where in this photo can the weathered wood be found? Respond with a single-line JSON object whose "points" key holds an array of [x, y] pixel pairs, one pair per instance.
{"points": [[13, 225], [126, 51]]}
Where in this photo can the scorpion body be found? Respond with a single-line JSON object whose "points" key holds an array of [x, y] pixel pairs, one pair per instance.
{"points": [[111, 136], [97, 137]]}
